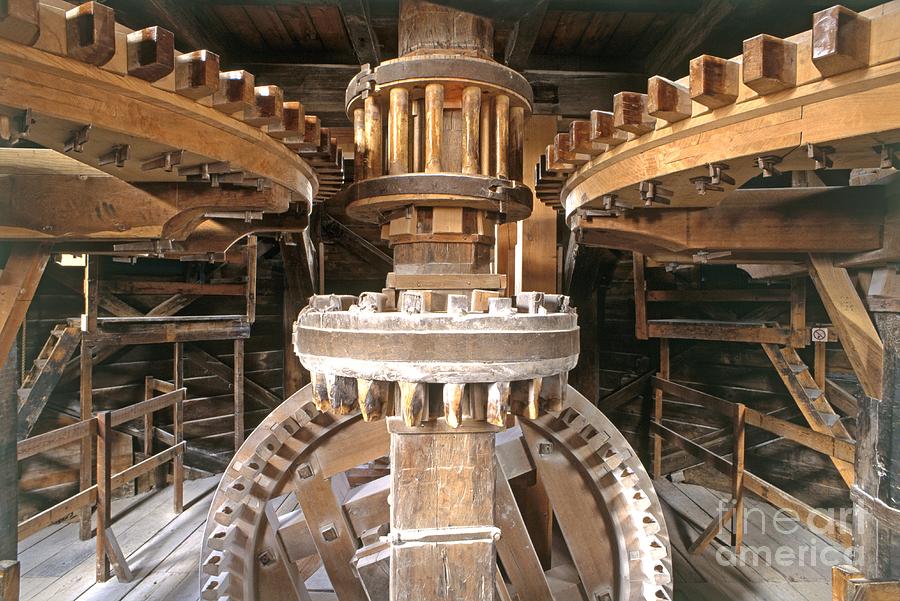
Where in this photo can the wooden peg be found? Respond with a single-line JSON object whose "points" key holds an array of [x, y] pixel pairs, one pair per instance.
{"points": [[714, 81], [501, 133], [398, 132], [292, 123], [359, 144], [453, 404], [630, 113], [553, 391], [434, 126], [498, 403], [840, 40], [603, 131], [320, 391], [236, 91], [374, 399], [485, 135], [374, 159], [471, 115], [342, 393], [580, 138], [91, 33], [412, 402], [197, 74], [668, 100], [532, 405], [770, 64], [516, 143], [151, 53], [267, 107], [19, 21]]}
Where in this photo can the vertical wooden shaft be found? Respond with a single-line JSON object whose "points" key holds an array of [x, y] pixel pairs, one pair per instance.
{"points": [[374, 160], [434, 126], [359, 145], [471, 114], [86, 389], [238, 392], [104, 494], [516, 143], [251, 278], [178, 429], [450, 474], [798, 312], [501, 131], [737, 477], [9, 474], [398, 132], [664, 373], [485, 132]]}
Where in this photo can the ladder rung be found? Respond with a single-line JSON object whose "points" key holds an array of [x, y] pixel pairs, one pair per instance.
{"points": [[23, 393], [798, 368], [829, 419]]}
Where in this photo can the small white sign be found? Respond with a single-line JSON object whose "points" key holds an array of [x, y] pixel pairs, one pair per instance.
{"points": [[820, 334]]}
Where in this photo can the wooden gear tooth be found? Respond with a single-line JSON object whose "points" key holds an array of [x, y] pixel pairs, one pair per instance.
{"points": [[320, 391], [630, 113], [498, 403], [236, 91], [604, 131], [413, 402], [91, 33], [769, 64], [197, 74], [714, 81], [19, 21], [453, 404], [151, 53], [342, 393], [668, 100], [267, 108], [840, 40], [373, 398]]}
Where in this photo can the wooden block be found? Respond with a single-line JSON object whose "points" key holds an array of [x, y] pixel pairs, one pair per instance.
{"points": [[580, 138], [603, 131], [91, 33], [236, 91], [630, 113], [19, 21], [554, 163], [563, 147], [479, 300], [151, 53], [9, 580], [840, 40], [267, 107], [197, 74], [293, 124], [714, 81], [668, 100], [312, 130], [770, 64], [447, 220]]}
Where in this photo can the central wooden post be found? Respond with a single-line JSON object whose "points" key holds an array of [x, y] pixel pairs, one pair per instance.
{"points": [[442, 512]]}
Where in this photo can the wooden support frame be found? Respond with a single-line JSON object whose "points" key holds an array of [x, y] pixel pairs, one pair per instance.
{"points": [[641, 327], [664, 373], [238, 393], [18, 282]]}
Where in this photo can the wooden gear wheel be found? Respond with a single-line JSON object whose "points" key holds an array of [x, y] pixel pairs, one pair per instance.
{"points": [[608, 514]]}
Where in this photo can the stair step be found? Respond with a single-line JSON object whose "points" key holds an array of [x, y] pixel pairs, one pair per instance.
{"points": [[23, 393], [812, 393], [40, 363], [798, 368], [829, 419]]}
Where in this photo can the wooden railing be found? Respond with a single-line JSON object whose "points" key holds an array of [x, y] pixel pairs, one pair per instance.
{"points": [[742, 416], [99, 495]]}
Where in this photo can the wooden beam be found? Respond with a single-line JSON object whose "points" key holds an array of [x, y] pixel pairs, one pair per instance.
{"points": [[848, 314], [686, 36], [9, 580], [359, 28], [523, 36], [193, 30], [18, 282], [238, 388], [9, 473], [213, 365], [536, 249]]}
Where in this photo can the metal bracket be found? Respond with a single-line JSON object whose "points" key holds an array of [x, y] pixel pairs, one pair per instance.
{"points": [[888, 154], [166, 161], [717, 174], [77, 140], [14, 128], [651, 192], [821, 155], [767, 164], [118, 154]]}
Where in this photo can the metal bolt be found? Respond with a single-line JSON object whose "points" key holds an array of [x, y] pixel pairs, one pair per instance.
{"points": [[265, 558], [305, 471], [329, 533], [545, 448]]}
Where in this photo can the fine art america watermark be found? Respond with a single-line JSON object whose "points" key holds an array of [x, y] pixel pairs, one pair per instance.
{"points": [[789, 540]]}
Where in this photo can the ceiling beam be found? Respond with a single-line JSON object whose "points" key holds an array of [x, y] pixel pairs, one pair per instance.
{"points": [[192, 31], [523, 36], [359, 28], [686, 36]]}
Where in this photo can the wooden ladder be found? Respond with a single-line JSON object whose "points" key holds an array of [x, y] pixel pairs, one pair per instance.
{"points": [[811, 400], [44, 374]]}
